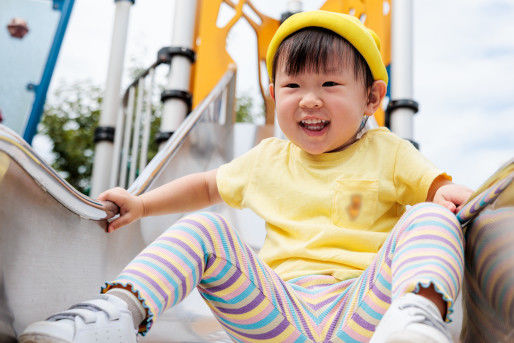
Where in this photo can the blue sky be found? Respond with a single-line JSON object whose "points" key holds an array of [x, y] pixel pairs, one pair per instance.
{"points": [[463, 81], [463, 58]]}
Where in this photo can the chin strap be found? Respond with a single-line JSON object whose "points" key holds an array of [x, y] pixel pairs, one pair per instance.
{"points": [[361, 131], [358, 134]]}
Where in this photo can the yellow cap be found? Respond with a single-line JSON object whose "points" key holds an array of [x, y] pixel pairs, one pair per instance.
{"points": [[363, 39]]}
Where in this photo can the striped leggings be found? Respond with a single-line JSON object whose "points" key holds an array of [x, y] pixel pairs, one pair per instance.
{"points": [[254, 304]]}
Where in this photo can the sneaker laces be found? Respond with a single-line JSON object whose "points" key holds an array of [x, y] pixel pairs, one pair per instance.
{"points": [[422, 315]]}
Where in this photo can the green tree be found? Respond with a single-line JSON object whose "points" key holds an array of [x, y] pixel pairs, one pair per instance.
{"points": [[70, 118], [244, 106]]}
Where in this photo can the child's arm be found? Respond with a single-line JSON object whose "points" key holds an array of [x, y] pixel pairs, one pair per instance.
{"points": [[188, 193], [448, 194]]}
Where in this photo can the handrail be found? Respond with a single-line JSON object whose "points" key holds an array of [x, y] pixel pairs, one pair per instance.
{"points": [[137, 101], [162, 58], [140, 76], [166, 153], [23, 154]]}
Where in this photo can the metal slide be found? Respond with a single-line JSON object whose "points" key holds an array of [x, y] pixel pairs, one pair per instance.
{"points": [[55, 252]]}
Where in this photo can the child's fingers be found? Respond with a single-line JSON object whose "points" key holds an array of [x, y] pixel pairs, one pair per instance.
{"points": [[113, 227], [120, 222], [104, 195], [448, 204], [451, 206], [115, 194], [110, 208]]}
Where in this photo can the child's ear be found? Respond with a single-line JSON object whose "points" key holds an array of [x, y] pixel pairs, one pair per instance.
{"points": [[272, 91], [375, 96]]}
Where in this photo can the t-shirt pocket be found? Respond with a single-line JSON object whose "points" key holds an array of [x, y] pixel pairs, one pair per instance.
{"points": [[354, 203]]}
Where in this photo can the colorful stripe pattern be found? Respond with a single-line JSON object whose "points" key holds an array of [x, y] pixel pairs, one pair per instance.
{"points": [[254, 304], [478, 203], [489, 276]]}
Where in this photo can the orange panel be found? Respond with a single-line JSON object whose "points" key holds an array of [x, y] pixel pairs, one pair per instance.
{"points": [[213, 60], [372, 12]]}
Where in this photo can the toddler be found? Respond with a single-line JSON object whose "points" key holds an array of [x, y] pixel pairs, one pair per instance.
{"points": [[343, 261]]}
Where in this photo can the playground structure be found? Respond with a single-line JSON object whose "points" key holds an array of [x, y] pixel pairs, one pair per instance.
{"points": [[30, 47], [47, 227]]}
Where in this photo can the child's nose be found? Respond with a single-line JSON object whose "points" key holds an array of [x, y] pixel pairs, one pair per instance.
{"points": [[310, 100]]}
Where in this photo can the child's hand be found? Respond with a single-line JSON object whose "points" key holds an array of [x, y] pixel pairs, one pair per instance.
{"points": [[452, 196], [131, 207]]}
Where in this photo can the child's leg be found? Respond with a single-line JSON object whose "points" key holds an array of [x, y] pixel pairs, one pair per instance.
{"points": [[423, 254], [428, 250], [254, 304], [248, 298], [424, 248], [251, 301]]}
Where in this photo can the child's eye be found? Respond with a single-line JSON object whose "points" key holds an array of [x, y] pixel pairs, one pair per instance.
{"points": [[330, 84], [292, 85]]}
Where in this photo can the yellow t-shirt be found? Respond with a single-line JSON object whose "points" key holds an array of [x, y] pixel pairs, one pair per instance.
{"points": [[327, 214]]}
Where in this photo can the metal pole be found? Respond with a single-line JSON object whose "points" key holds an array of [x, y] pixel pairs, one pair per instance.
{"points": [[41, 90], [401, 69], [104, 134], [175, 110], [137, 131], [115, 170], [147, 123], [126, 139]]}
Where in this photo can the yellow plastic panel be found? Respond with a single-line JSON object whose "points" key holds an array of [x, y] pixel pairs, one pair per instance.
{"points": [[213, 59], [372, 13]]}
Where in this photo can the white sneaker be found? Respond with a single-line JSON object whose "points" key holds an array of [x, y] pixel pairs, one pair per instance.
{"points": [[103, 320], [412, 319]]}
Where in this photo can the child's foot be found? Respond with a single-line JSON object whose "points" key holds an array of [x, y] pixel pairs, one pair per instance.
{"points": [[412, 318], [103, 320]]}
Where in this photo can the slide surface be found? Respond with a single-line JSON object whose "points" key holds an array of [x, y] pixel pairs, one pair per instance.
{"points": [[54, 250]]}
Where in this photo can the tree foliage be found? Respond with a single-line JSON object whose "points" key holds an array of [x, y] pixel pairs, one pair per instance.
{"points": [[70, 121], [244, 106], [244, 110], [70, 118]]}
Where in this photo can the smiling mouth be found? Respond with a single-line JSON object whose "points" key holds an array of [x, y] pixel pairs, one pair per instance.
{"points": [[314, 125]]}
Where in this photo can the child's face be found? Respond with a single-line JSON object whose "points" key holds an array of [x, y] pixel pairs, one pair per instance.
{"points": [[319, 112]]}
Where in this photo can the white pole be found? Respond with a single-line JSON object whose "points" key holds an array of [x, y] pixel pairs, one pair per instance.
{"points": [[175, 110], [401, 67], [111, 102]]}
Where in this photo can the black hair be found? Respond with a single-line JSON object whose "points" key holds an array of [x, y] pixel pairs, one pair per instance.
{"points": [[314, 48]]}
